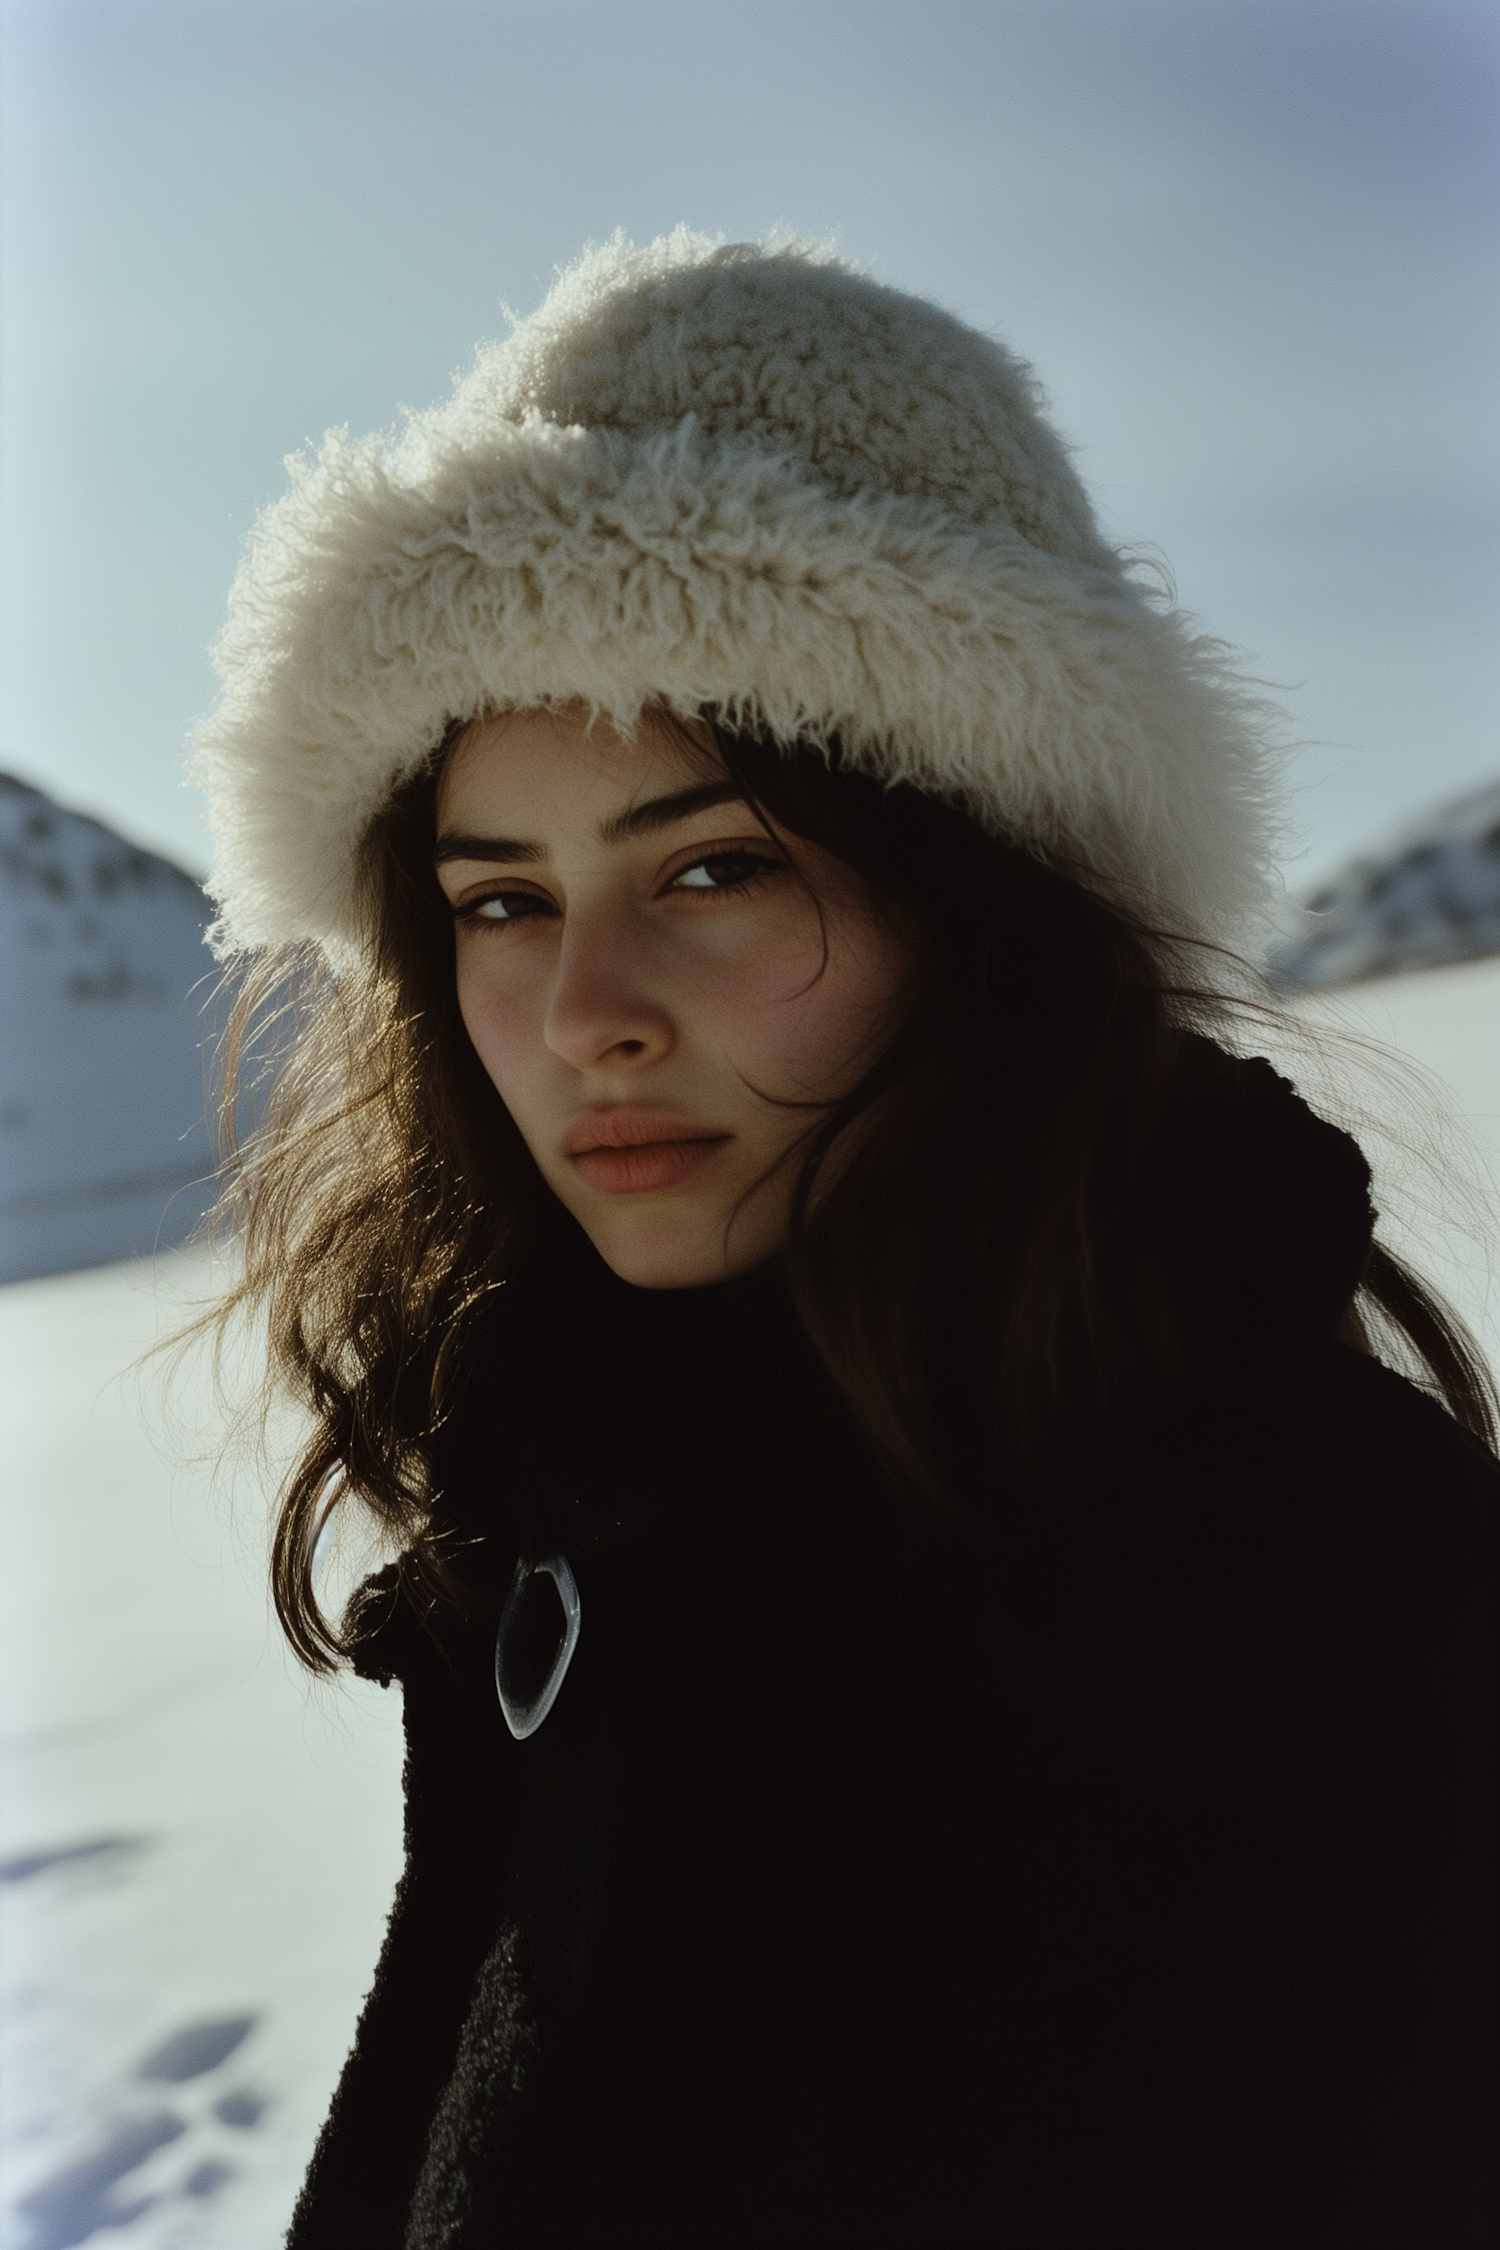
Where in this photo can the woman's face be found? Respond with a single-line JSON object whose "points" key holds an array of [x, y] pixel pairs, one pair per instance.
{"points": [[646, 978]]}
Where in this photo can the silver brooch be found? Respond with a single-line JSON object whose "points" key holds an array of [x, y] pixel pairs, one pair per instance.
{"points": [[527, 1677]]}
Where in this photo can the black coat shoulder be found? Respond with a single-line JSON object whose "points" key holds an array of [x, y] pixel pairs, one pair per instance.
{"points": [[874, 1882]]}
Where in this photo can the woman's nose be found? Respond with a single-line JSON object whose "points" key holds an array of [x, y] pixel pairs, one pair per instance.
{"points": [[602, 1010]]}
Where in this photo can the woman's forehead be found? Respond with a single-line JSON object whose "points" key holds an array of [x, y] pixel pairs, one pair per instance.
{"points": [[547, 769]]}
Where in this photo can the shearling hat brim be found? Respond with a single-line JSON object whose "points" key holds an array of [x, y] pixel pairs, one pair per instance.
{"points": [[483, 563]]}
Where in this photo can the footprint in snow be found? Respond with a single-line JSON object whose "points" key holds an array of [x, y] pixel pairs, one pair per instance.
{"points": [[84, 2197]]}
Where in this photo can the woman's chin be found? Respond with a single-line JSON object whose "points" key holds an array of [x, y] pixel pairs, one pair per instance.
{"points": [[665, 1249]]}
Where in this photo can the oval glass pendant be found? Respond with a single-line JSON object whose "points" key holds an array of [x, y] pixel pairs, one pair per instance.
{"points": [[538, 1633]]}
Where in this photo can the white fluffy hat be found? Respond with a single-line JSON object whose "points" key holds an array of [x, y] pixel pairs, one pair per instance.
{"points": [[742, 476]]}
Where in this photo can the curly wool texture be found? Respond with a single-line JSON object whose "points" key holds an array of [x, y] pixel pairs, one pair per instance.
{"points": [[745, 478]]}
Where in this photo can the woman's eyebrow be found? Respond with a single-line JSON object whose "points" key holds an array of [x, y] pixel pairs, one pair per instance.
{"points": [[637, 820], [457, 845], [662, 812]]}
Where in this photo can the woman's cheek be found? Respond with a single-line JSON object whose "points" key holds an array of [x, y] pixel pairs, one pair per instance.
{"points": [[754, 1011], [810, 1030], [504, 1020], [785, 1033]]}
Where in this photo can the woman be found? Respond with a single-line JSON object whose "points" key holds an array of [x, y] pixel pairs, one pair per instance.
{"points": [[948, 1689]]}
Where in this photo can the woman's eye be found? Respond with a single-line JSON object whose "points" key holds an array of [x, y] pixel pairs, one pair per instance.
{"points": [[505, 906], [724, 871]]}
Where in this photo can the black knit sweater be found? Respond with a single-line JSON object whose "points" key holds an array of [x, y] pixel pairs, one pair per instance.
{"points": [[868, 1885]]}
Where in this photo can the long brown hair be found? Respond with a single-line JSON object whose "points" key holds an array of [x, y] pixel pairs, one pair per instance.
{"points": [[975, 1248]]}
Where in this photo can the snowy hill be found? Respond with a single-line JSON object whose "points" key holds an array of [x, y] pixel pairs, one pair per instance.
{"points": [[1425, 894], [105, 1004]]}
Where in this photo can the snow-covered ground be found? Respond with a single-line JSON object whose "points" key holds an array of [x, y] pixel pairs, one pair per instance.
{"points": [[199, 1848]]}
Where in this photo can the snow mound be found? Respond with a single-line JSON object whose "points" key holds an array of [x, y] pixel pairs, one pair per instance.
{"points": [[106, 1005], [1426, 894]]}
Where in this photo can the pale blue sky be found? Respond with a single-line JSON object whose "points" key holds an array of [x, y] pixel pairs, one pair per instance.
{"points": [[1251, 248]]}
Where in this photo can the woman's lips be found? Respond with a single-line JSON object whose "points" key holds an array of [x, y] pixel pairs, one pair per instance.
{"points": [[652, 1164], [633, 1152]]}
